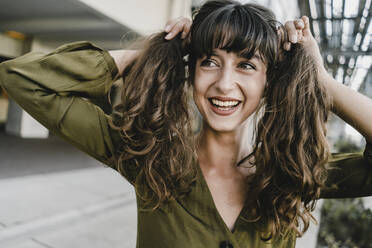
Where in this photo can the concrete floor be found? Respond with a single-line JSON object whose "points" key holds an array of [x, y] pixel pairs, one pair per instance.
{"points": [[58, 197], [54, 196]]}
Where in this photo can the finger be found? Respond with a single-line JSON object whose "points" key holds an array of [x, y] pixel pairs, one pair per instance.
{"points": [[176, 29], [299, 24], [306, 21], [287, 46], [300, 37], [306, 30], [186, 29], [291, 30], [169, 25]]}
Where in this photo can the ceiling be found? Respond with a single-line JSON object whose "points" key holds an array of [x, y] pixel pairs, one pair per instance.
{"points": [[56, 20], [344, 31]]}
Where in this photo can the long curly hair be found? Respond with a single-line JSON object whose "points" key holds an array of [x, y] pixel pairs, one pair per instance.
{"points": [[290, 149], [157, 153]]}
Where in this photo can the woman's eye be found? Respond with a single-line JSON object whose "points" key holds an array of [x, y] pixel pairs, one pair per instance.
{"points": [[247, 66], [208, 63]]}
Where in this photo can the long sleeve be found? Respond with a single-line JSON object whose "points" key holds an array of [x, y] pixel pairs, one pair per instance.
{"points": [[65, 91], [350, 175]]}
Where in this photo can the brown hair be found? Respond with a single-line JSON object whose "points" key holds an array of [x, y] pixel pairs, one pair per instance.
{"points": [[154, 122], [290, 149]]}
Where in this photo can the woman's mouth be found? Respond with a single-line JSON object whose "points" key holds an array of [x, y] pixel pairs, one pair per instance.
{"points": [[224, 107]]}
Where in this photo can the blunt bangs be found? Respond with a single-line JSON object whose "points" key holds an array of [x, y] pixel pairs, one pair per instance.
{"points": [[243, 29]]}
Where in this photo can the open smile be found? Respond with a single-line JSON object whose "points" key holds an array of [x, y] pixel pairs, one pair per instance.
{"points": [[224, 107]]}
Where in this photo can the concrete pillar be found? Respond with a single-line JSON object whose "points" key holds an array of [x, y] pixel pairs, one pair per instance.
{"points": [[20, 123], [10, 47]]}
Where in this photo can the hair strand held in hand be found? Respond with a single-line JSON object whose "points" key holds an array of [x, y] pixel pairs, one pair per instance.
{"points": [[154, 122], [290, 150]]}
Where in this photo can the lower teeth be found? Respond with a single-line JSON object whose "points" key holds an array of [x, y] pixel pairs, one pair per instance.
{"points": [[224, 108]]}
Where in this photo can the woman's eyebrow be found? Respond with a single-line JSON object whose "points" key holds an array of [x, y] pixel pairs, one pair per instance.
{"points": [[255, 56]]}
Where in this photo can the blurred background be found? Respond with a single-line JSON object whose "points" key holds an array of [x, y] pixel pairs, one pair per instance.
{"points": [[55, 196]]}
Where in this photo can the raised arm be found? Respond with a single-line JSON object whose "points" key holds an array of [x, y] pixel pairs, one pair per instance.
{"points": [[65, 91], [123, 58], [352, 106], [351, 173]]}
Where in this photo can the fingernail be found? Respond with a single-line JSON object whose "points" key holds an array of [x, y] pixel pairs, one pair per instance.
{"points": [[294, 38], [167, 28], [168, 36], [299, 23]]}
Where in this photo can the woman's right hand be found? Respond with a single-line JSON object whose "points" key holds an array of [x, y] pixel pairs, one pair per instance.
{"points": [[176, 26], [173, 27]]}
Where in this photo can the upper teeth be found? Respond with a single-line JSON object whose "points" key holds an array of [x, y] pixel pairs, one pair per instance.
{"points": [[224, 103]]}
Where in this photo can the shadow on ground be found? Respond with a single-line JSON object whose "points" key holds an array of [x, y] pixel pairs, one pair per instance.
{"points": [[22, 157]]}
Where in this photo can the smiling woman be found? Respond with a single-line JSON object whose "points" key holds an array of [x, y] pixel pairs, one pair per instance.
{"points": [[228, 88], [206, 189], [236, 68]]}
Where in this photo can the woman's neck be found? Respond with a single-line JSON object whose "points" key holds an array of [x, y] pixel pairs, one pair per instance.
{"points": [[222, 150]]}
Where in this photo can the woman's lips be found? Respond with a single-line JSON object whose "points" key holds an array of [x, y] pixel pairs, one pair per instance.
{"points": [[223, 110]]}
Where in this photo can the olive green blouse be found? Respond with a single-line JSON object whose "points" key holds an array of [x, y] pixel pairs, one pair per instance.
{"points": [[66, 91]]}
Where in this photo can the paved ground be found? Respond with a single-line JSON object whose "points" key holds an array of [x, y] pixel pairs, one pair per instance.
{"points": [[54, 196]]}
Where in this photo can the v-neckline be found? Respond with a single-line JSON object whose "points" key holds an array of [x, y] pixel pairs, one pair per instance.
{"points": [[213, 204]]}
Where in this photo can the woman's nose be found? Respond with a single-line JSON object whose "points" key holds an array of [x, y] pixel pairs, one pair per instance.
{"points": [[226, 81]]}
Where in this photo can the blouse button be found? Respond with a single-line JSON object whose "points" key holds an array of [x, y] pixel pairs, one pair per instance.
{"points": [[226, 244]]}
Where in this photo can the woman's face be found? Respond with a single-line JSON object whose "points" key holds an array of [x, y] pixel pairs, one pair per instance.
{"points": [[228, 88]]}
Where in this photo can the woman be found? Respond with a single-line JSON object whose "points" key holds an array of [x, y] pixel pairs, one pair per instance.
{"points": [[208, 189]]}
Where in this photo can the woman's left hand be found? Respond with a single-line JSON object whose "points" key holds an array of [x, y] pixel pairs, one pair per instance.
{"points": [[348, 104], [299, 32]]}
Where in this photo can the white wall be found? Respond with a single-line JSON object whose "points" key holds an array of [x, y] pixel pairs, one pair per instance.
{"points": [[144, 17], [283, 9], [10, 47]]}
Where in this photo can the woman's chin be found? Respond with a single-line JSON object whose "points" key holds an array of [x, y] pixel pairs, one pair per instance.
{"points": [[222, 127]]}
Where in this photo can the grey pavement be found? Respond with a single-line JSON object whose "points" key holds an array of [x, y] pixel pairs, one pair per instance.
{"points": [[54, 196]]}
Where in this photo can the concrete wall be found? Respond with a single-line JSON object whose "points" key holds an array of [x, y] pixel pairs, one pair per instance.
{"points": [[283, 9], [144, 17]]}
